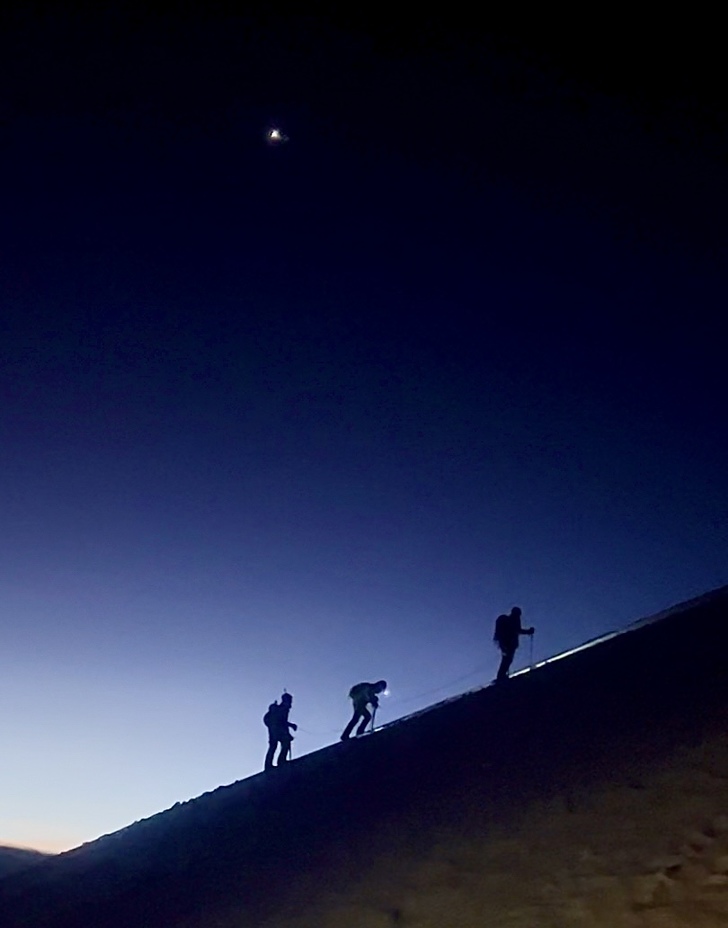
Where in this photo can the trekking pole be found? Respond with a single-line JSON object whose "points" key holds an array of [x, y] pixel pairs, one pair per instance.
{"points": [[374, 715], [530, 656]]}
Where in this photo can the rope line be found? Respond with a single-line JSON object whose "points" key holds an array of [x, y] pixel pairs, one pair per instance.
{"points": [[438, 689]]}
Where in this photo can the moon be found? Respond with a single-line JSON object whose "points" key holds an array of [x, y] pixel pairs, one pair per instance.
{"points": [[274, 136]]}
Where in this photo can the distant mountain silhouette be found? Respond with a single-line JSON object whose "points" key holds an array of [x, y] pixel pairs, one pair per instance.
{"points": [[588, 790], [13, 859]]}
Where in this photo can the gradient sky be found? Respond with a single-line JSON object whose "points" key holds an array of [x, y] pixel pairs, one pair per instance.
{"points": [[309, 415]]}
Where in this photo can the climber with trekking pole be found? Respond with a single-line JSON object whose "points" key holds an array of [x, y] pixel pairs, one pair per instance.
{"points": [[362, 696], [279, 731], [507, 634]]}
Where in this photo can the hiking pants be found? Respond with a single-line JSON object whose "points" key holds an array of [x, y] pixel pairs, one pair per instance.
{"points": [[505, 665], [359, 713], [273, 743]]}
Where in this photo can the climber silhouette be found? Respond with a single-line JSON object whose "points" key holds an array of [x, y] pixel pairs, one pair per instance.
{"points": [[276, 721], [507, 634], [362, 696]]}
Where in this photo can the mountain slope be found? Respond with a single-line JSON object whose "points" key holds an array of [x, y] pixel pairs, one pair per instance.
{"points": [[594, 787], [13, 859]]}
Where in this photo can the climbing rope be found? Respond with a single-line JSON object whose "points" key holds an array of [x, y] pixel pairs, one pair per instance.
{"points": [[438, 689]]}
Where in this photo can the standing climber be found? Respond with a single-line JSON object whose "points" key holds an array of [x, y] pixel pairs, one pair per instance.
{"points": [[507, 634], [279, 730], [362, 696]]}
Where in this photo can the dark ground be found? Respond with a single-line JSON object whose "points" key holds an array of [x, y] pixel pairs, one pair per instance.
{"points": [[252, 849]]}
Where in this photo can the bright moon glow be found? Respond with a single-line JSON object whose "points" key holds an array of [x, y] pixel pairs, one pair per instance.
{"points": [[275, 137]]}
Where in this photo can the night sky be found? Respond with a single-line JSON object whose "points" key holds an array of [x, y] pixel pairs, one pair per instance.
{"points": [[315, 413]]}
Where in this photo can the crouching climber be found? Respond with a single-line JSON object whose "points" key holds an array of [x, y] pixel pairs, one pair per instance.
{"points": [[362, 696]]}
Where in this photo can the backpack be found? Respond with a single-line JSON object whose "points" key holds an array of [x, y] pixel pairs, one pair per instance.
{"points": [[361, 695], [270, 718], [503, 629]]}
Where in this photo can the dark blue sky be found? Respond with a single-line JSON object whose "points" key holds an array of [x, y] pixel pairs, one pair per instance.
{"points": [[307, 415]]}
